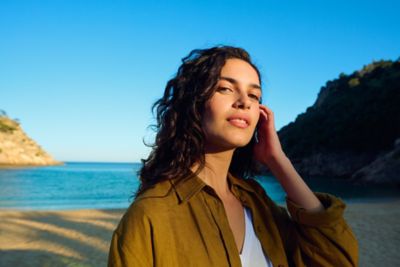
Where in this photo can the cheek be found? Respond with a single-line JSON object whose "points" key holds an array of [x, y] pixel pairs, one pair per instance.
{"points": [[212, 111], [257, 115], [209, 118]]}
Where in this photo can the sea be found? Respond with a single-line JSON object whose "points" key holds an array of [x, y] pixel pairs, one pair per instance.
{"points": [[89, 185]]}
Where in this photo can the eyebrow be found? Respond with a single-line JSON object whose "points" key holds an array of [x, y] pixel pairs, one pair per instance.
{"points": [[233, 81]]}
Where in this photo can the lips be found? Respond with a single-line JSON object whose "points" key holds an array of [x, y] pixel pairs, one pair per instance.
{"points": [[239, 120]]}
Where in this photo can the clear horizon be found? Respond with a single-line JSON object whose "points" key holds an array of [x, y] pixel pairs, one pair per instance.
{"points": [[81, 76]]}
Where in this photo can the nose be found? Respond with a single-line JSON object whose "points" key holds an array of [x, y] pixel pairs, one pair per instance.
{"points": [[242, 101]]}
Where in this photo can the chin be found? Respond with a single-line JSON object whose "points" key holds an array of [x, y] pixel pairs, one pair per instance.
{"points": [[227, 144], [228, 141], [239, 142], [242, 144]]}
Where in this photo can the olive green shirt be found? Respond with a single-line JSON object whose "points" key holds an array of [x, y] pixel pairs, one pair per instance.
{"points": [[185, 224]]}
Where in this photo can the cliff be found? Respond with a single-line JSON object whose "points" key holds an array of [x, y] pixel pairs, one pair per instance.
{"points": [[17, 149], [351, 130]]}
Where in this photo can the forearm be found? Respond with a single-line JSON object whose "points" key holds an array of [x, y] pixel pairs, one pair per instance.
{"points": [[294, 186]]}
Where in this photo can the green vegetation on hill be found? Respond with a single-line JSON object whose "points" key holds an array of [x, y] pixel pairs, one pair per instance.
{"points": [[17, 148], [354, 113], [7, 125]]}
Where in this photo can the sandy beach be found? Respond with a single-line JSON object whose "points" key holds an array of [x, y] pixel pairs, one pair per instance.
{"points": [[81, 237]]}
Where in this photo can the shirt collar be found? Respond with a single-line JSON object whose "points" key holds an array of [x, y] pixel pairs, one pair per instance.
{"points": [[190, 185], [241, 183]]}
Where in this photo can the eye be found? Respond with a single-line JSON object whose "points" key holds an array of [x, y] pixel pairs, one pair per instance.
{"points": [[255, 97], [224, 89]]}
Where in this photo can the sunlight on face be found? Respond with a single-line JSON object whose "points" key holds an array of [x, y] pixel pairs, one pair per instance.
{"points": [[232, 113]]}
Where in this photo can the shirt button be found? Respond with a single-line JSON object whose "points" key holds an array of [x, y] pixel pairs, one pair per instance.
{"points": [[258, 229]]}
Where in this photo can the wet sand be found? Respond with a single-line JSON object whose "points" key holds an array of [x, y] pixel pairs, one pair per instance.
{"points": [[81, 237]]}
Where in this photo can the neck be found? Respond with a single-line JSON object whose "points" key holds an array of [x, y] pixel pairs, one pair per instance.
{"points": [[215, 171]]}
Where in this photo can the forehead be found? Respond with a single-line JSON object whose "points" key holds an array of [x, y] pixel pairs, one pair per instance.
{"points": [[240, 70]]}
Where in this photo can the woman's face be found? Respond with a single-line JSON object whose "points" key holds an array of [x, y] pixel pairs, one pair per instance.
{"points": [[232, 113]]}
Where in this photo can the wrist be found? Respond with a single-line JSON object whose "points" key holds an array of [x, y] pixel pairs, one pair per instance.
{"points": [[275, 159]]}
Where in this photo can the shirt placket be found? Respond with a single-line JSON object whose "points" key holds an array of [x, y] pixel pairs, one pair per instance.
{"points": [[269, 240], [220, 218]]}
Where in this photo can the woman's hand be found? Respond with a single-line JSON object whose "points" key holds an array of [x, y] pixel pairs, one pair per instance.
{"points": [[269, 151], [268, 148]]}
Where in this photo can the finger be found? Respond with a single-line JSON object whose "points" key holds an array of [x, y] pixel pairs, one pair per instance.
{"points": [[264, 114], [263, 108], [267, 109]]}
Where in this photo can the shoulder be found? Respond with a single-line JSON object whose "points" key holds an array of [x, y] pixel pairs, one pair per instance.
{"points": [[266, 202], [252, 185], [253, 189], [255, 185], [152, 202], [159, 190]]}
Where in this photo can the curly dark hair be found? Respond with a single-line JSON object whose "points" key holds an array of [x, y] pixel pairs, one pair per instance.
{"points": [[179, 142]]}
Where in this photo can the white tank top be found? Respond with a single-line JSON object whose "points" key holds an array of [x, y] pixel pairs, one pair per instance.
{"points": [[252, 254]]}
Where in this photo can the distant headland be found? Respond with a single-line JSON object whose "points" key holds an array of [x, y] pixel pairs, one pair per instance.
{"points": [[352, 131], [17, 149]]}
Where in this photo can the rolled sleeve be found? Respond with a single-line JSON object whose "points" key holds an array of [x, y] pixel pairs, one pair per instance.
{"points": [[322, 238], [333, 212]]}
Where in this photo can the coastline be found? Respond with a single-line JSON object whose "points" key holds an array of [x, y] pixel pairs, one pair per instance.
{"points": [[82, 237], [22, 166]]}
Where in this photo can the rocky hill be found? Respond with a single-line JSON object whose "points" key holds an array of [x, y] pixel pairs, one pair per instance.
{"points": [[16, 148], [352, 130]]}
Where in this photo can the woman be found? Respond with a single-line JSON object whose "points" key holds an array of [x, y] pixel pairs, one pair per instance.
{"points": [[197, 204]]}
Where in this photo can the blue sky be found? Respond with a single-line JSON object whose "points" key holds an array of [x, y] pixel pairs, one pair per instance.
{"points": [[81, 76]]}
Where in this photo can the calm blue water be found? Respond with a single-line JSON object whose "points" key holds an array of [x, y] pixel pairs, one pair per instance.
{"points": [[111, 185]]}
